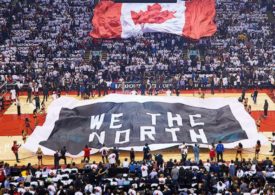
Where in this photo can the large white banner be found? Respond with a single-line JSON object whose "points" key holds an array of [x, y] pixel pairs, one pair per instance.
{"points": [[128, 121]]}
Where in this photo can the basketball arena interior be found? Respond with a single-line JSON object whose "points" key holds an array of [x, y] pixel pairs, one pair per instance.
{"points": [[147, 97]]}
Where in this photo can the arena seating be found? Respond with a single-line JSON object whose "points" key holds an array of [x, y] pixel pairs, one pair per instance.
{"points": [[237, 177], [50, 43]]}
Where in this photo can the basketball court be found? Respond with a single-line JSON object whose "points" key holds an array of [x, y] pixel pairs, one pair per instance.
{"points": [[11, 126]]}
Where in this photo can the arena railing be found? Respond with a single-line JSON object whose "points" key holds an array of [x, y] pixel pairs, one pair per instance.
{"points": [[136, 85]]}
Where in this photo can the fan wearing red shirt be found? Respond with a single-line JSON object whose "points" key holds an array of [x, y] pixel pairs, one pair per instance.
{"points": [[87, 151]]}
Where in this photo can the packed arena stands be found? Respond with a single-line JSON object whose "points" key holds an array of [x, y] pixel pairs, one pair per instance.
{"points": [[50, 43], [152, 177], [47, 42]]}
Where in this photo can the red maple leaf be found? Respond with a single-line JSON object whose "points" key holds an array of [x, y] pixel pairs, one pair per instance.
{"points": [[153, 15]]}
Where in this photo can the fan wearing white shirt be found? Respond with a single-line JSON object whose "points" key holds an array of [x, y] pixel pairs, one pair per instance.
{"points": [[157, 192], [144, 170], [207, 165], [240, 173], [98, 190], [78, 193], [220, 187], [125, 163], [134, 92], [162, 179], [153, 173], [52, 189], [168, 92], [94, 165], [132, 191], [112, 158]]}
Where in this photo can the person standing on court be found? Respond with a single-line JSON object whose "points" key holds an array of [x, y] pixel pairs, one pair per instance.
{"points": [[45, 93], [265, 108], [196, 150], [87, 152], [112, 158], [146, 151], [13, 94], [184, 151], [39, 154], [239, 151], [37, 102], [29, 92], [254, 96], [18, 106], [63, 154], [15, 149], [220, 150], [132, 155], [104, 153], [56, 159], [212, 152], [243, 93], [116, 151], [272, 140], [257, 149]]}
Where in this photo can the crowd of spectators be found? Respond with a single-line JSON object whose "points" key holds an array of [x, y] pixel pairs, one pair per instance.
{"points": [[47, 41], [142, 177]]}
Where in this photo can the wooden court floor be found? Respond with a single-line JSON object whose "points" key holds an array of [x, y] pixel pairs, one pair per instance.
{"points": [[171, 153]]}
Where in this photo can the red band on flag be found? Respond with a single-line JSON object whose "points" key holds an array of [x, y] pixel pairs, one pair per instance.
{"points": [[199, 19], [106, 20]]}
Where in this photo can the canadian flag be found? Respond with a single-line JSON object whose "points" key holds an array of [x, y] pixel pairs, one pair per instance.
{"points": [[193, 19]]}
